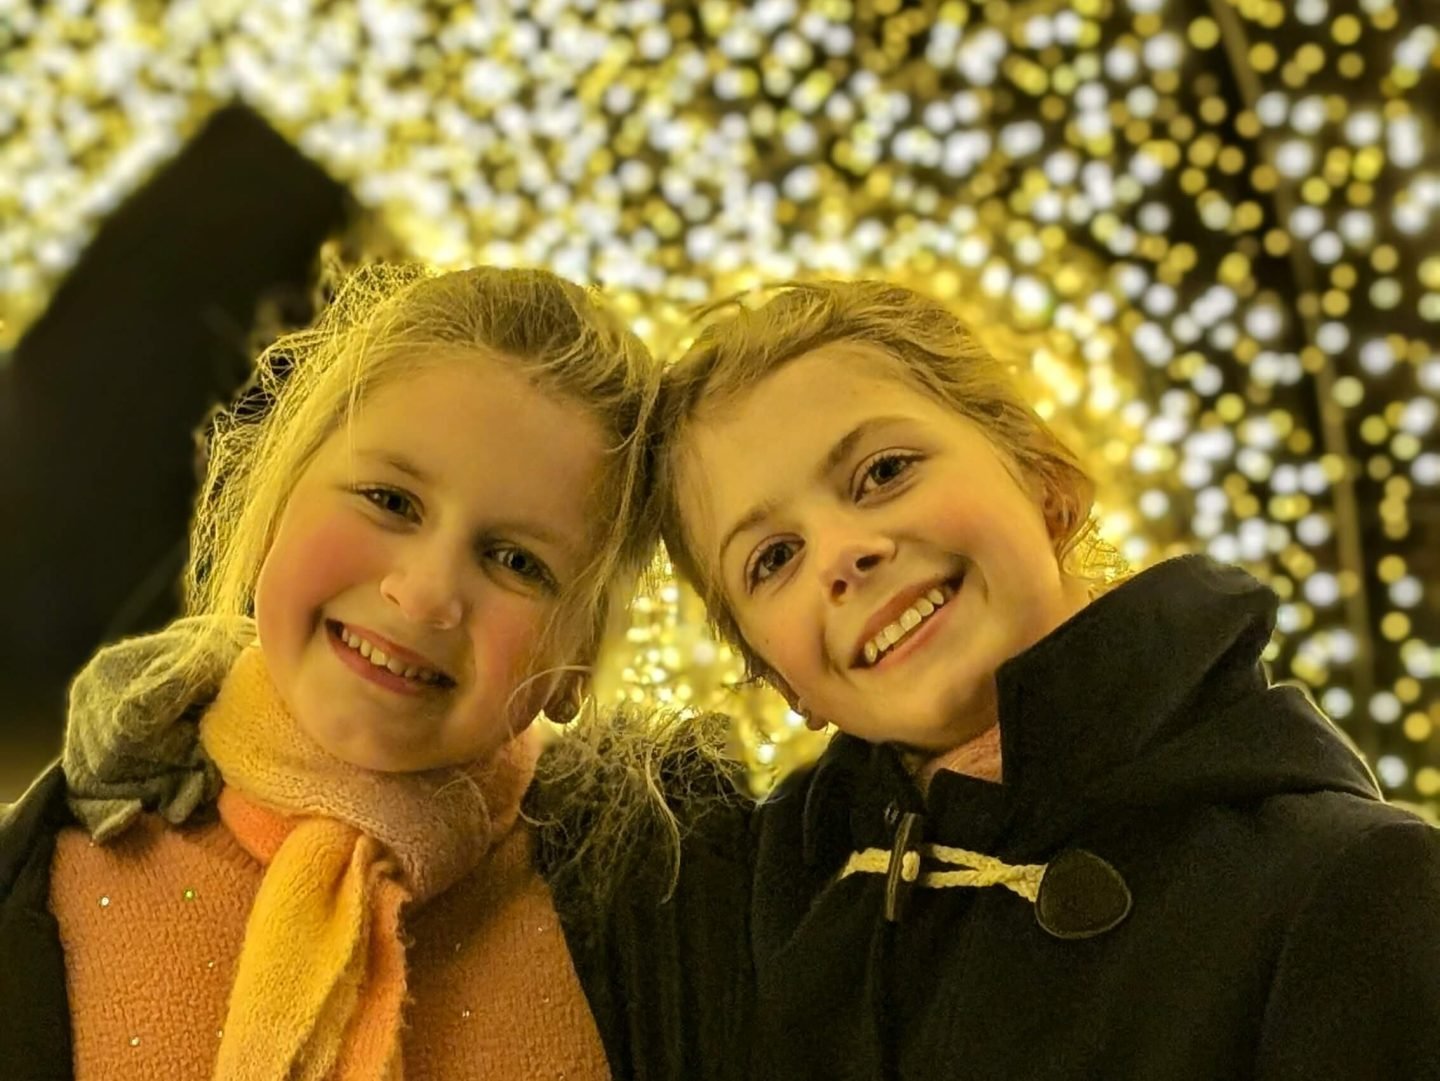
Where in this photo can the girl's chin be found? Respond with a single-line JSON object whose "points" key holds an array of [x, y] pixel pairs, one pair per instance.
{"points": [[937, 735], [366, 754]]}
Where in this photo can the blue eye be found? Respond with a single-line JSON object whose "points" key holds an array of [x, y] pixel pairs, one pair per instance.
{"points": [[884, 470], [392, 501], [768, 560]]}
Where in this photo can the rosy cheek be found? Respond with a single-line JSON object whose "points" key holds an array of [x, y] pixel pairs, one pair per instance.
{"points": [[314, 561], [342, 552], [510, 636], [505, 637]]}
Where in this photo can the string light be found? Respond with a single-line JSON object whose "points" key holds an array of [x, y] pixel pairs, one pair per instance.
{"points": [[1208, 240]]}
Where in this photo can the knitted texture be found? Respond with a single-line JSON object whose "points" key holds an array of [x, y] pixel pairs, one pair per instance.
{"points": [[130, 741], [321, 975], [436, 824], [492, 990], [321, 953], [317, 978], [151, 926], [979, 758]]}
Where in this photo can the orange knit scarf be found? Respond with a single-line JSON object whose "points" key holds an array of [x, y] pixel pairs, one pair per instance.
{"points": [[320, 983]]}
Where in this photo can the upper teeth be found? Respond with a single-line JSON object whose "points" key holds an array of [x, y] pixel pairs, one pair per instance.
{"points": [[377, 656], [909, 619]]}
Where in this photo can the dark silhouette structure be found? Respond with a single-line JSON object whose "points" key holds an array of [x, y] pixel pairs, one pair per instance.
{"points": [[100, 403]]}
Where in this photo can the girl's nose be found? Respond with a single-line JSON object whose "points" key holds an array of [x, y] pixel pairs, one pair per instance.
{"points": [[855, 558], [425, 595]]}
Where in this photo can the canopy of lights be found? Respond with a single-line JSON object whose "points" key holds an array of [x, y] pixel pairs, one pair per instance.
{"points": [[1205, 233]]}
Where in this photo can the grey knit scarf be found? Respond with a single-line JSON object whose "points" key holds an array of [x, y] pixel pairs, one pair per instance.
{"points": [[132, 736]]}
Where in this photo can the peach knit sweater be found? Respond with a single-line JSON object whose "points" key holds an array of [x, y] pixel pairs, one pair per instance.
{"points": [[152, 926]]}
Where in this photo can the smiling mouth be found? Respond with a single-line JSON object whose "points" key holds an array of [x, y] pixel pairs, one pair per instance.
{"points": [[907, 623], [376, 656]]}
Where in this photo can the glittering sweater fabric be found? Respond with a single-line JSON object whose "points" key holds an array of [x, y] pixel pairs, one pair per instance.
{"points": [[152, 927]]}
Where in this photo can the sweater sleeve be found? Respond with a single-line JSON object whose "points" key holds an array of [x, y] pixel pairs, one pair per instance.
{"points": [[1357, 990]]}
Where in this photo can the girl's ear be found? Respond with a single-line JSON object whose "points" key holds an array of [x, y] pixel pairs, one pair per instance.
{"points": [[1039, 488], [1054, 513], [812, 721], [1054, 507], [565, 703], [758, 670]]}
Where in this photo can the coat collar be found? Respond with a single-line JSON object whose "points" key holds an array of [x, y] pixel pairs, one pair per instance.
{"points": [[1148, 695], [1121, 673], [29, 824]]}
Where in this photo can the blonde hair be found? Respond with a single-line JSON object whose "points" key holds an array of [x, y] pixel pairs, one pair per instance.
{"points": [[602, 801], [934, 349], [387, 321]]}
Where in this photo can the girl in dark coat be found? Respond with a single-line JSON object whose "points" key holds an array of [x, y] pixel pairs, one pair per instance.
{"points": [[1068, 829]]}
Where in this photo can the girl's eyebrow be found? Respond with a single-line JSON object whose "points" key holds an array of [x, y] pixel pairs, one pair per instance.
{"points": [[843, 448], [536, 531], [397, 462]]}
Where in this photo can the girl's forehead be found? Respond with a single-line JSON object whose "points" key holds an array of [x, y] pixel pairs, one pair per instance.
{"points": [[481, 431], [820, 389], [796, 429], [462, 372], [790, 430], [472, 392]]}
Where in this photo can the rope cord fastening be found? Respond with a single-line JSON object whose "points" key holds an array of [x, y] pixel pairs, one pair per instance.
{"points": [[975, 870]]}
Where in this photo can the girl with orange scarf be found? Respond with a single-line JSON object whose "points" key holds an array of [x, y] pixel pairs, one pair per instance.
{"points": [[306, 831]]}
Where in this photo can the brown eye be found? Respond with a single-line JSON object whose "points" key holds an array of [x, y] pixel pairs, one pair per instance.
{"points": [[391, 501], [521, 563], [885, 470], [771, 559]]}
